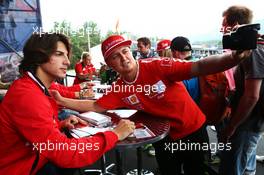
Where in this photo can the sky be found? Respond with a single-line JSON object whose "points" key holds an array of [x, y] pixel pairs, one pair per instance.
{"points": [[196, 19]]}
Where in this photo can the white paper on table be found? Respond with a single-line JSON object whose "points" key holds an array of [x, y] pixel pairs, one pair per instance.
{"points": [[123, 113], [87, 131], [94, 117], [141, 133]]}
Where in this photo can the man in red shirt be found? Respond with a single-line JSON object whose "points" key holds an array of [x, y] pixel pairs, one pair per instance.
{"points": [[84, 69], [154, 86], [31, 141]]}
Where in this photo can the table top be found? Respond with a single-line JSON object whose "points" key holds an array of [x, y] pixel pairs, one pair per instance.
{"points": [[159, 126]]}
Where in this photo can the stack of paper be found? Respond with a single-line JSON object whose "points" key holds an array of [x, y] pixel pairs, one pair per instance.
{"points": [[86, 131], [96, 118]]}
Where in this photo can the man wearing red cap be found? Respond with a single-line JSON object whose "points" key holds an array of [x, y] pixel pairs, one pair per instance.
{"points": [[165, 96]]}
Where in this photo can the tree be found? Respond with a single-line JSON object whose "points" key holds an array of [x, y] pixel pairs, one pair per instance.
{"points": [[94, 33], [79, 37]]}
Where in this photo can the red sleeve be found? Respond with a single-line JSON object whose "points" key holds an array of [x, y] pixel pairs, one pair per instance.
{"points": [[78, 68], [173, 69], [63, 90], [35, 123], [93, 69], [74, 88], [68, 94]]}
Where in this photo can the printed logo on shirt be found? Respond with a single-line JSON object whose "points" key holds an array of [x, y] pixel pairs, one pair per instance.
{"points": [[132, 99], [166, 62], [157, 89], [160, 86]]}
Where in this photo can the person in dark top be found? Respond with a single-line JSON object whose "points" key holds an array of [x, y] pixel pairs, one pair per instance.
{"points": [[182, 49], [247, 120], [144, 49]]}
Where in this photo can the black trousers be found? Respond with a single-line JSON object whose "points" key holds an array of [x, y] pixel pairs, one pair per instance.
{"points": [[51, 169], [173, 155]]}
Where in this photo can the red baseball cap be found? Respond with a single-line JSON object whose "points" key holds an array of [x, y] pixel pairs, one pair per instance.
{"points": [[163, 44], [113, 42]]}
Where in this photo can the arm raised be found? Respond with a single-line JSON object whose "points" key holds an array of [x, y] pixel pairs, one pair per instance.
{"points": [[218, 63]]}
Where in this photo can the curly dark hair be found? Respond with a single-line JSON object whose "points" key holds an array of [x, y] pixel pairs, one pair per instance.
{"points": [[39, 48], [238, 14]]}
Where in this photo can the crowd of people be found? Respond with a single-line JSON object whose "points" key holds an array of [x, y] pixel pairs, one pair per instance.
{"points": [[173, 72]]}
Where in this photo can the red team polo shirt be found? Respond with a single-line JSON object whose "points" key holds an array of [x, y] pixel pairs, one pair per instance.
{"points": [[81, 69], [28, 116], [169, 99]]}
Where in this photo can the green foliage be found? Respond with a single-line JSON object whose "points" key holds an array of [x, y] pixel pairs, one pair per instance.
{"points": [[79, 37]]}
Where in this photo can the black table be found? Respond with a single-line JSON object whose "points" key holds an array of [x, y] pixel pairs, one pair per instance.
{"points": [[159, 126]]}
